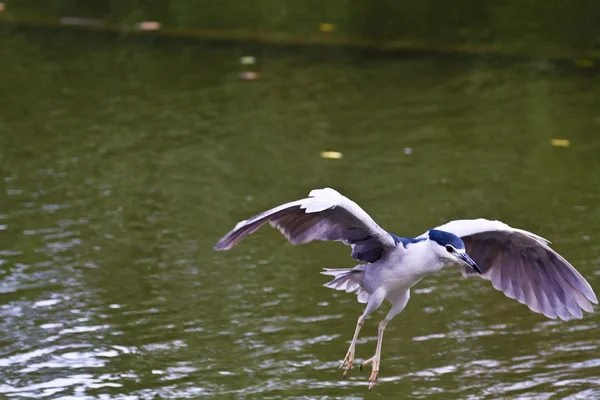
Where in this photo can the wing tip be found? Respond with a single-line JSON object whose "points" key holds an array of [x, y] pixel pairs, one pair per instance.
{"points": [[222, 245], [570, 317], [589, 292]]}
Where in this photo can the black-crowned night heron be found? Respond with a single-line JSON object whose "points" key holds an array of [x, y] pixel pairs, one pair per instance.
{"points": [[517, 262]]}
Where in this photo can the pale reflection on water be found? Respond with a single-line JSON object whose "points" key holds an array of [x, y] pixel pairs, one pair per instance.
{"points": [[123, 175]]}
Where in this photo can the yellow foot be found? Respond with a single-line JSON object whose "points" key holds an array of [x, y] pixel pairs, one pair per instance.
{"points": [[374, 370], [348, 362]]}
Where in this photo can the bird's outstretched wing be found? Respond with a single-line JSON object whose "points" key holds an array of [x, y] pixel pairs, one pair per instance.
{"points": [[324, 215], [524, 267]]}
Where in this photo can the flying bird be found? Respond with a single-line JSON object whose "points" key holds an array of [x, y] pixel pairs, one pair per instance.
{"points": [[517, 262]]}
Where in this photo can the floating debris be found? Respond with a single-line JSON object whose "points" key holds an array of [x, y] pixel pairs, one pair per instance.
{"points": [[584, 63], [248, 60], [336, 155], [408, 150], [148, 25], [249, 76], [327, 27], [560, 142]]}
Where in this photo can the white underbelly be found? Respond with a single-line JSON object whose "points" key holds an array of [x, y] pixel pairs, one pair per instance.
{"points": [[393, 279], [401, 270]]}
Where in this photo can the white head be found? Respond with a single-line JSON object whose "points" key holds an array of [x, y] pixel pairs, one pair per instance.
{"points": [[451, 249]]}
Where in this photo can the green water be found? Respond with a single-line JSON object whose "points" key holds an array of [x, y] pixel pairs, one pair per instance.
{"points": [[122, 163]]}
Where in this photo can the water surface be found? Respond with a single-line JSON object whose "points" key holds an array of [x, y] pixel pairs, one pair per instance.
{"points": [[122, 164]]}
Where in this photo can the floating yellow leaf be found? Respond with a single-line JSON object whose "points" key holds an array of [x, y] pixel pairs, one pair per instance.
{"points": [[560, 142], [584, 63], [332, 154], [327, 27]]}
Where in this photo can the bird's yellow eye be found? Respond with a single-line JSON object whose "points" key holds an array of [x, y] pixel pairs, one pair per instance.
{"points": [[449, 248]]}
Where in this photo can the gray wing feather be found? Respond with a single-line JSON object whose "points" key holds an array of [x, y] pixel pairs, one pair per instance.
{"points": [[524, 267], [324, 215]]}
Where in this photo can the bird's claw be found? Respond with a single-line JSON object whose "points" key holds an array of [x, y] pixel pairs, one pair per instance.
{"points": [[346, 365], [374, 371], [373, 379]]}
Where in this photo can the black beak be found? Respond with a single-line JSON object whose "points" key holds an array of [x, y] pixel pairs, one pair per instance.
{"points": [[469, 261]]}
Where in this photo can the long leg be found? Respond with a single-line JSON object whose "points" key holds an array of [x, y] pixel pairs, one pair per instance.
{"points": [[374, 302], [398, 305], [349, 359]]}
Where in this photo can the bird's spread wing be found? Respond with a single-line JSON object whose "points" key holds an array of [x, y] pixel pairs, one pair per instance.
{"points": [[324, 215], [524, 267]]}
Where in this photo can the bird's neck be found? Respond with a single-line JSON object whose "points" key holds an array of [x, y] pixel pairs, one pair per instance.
{"points": [[422, 257]]}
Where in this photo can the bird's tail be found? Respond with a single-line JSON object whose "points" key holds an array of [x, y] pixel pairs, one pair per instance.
{"points": [[347, 279]]}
